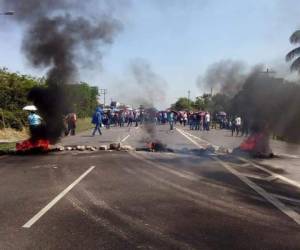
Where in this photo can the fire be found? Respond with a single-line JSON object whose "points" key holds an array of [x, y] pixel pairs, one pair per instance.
{"points": [[27, 145], [251, 142], [156, 146], [257, 144]]}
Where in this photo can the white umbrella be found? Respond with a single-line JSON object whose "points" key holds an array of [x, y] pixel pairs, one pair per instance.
{"points": [[30, 108]]}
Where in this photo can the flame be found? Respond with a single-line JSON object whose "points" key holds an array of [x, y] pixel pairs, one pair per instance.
{"points": [[40, 144]]}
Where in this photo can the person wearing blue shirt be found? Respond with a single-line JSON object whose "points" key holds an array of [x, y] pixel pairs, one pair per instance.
{"points": [[170, 117], [34, 121], [97, 120]]}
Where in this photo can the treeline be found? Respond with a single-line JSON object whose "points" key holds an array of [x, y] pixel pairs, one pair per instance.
{"points": [[14, 88], [206, 102]]}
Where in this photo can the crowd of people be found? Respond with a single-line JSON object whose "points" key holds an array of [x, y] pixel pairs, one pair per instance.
{"points": [[202, 121]]}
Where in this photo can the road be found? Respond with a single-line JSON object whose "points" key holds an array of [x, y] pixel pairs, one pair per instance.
{"points": [[186, 199]]}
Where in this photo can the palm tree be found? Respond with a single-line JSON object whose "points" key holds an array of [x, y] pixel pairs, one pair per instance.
{"points": [[295, 66]]}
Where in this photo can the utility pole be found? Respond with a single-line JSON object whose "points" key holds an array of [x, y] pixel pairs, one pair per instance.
{"points": [[189, 95], [103, 92], [268, 72]]}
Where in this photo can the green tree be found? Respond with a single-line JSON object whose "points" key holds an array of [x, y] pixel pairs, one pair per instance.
{"points": [[14, 89], [182, 103], [82, 98]]}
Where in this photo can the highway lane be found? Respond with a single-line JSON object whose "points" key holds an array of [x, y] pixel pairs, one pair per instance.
{"points": [[137, 200]]}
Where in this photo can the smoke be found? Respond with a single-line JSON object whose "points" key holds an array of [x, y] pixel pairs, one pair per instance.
{"points": [[266, 103], [150, 84], [58, 36], [269, 104], [224, 77]]}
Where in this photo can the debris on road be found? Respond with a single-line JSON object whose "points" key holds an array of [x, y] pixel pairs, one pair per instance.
{"points": [[126, 148], [103, 147], [115, 146]]}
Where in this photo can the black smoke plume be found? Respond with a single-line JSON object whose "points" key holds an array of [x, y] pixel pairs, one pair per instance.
{"points": [[269, 104], [58, 36], [225, 77]]}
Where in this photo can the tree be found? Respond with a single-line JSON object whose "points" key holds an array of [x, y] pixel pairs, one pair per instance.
{"points": [[182, 103], [295, 53], [14, 89]]}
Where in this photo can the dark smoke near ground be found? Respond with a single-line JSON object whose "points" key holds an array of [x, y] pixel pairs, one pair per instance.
{"points": [[152, 91], [152, 86], [225, 77], [57, 34], [270, 104], [265, 102]]}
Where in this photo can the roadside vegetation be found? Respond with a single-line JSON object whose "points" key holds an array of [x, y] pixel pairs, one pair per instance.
{"points": [[14, 88]]}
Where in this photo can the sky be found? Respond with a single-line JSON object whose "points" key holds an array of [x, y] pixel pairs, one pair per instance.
{"points": [[177, 40]]}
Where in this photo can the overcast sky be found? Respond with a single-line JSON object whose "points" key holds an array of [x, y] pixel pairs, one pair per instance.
{"points": [[179, 39]]}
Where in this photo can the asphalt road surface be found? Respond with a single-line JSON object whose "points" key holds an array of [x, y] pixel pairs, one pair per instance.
{"points": [[186, 199]]}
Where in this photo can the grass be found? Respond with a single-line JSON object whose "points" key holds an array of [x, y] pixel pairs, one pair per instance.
{"points": [[9, 136], [83, 124], [7, 146]]}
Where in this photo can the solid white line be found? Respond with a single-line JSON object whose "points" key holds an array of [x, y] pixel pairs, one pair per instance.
{"points": [[275, 176], [283, 208], [200, 139], [194, 142], [56, 199], [283, 178], [125, 138], [253, 176], [281, 197]]}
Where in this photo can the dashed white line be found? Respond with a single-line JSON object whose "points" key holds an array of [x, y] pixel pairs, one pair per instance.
{"points": [[36, 217]]}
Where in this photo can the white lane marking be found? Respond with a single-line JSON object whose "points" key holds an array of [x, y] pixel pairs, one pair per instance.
{"points": [[35, 218], [278, 176], [274, 175], [194, 142], [164, 168], [283, 208], [125, 138], [290, 156], [281, 197], [254, 176]]}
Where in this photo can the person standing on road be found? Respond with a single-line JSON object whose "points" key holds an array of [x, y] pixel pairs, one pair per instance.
{"points": [[170, 117], [185, 118], [238, 125], [198, 121], [97, 120], [71, 119], [34, 121], [130, 119], [207, 121]]}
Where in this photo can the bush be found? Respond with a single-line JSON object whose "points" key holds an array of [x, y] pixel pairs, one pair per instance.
{"points": [[15, 120]]}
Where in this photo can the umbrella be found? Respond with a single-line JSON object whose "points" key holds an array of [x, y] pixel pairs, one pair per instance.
{"points": [[222, 113], [30, 108]]}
